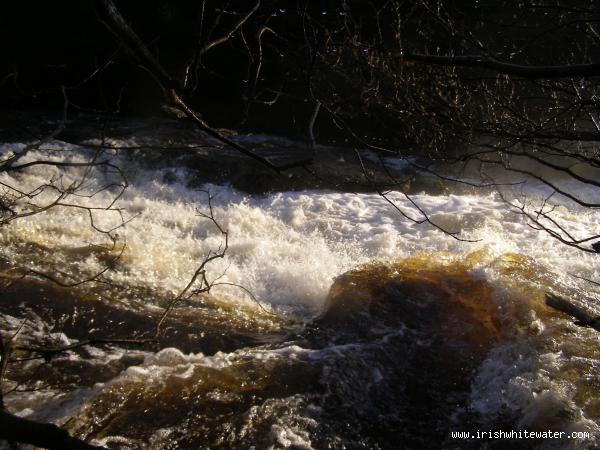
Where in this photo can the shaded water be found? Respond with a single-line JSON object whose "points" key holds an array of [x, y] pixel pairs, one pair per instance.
{"points": [[372, 332]]}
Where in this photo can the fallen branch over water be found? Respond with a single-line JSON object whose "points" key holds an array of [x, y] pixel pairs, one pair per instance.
{"points": [[583, 317], [116, 23], [46, 435]]}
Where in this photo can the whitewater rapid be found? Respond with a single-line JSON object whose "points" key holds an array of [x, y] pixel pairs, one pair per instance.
{"points": [[287, 249]]}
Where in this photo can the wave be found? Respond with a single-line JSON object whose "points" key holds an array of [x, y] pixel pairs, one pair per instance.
{"points": [[363, 328]]}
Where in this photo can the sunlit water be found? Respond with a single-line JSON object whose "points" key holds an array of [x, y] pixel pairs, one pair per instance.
{"points": [[365, 330]]}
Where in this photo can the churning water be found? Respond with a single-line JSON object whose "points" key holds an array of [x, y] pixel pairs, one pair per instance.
{"points": [[355, 328]]}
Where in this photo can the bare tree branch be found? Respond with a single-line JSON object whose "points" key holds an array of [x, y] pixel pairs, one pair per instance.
{"points": [[44, 435], [200, 272], [116, 23], [532, 72], [564, 305]]}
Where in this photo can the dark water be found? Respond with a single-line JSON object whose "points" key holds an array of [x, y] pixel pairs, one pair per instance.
{"points": [[372, 331], [390, 363]]}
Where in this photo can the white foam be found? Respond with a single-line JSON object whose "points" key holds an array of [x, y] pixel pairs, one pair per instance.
{"points": [[288, 247]]}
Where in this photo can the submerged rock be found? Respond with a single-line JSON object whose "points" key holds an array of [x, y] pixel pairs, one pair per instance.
{"points": [[412, 335]]}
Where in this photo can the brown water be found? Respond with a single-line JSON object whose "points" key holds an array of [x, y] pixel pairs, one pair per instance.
{"points": [[363, 330], [392, 362]]}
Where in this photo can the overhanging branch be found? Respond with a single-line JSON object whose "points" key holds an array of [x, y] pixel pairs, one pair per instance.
{"points": [[44, 435], [115, 22], [532, 72]]}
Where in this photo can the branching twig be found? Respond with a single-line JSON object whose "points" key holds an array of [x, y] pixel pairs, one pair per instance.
{"points": [[200, 272]]}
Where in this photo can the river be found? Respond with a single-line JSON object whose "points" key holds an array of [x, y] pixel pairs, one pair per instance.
{"points": [[333, 321]]}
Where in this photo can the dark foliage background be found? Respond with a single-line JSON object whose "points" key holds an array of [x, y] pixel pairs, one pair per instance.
{"points": [[288, 55]]}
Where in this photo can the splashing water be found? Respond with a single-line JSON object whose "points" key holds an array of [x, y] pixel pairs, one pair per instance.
{"points": [[373, 331]]}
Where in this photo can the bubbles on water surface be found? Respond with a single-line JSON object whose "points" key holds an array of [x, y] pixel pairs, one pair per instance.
{"points": [[419, 333]]}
